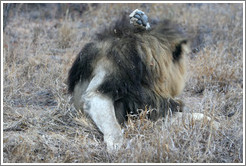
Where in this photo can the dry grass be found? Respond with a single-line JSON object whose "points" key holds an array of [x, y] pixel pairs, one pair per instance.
{"points": [[41, 125]]}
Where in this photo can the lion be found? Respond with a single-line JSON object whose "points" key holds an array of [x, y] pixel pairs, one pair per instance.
{"points": [[127, 67]]}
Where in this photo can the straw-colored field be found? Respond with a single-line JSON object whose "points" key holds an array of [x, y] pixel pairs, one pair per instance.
{"points": [[40, 42]]}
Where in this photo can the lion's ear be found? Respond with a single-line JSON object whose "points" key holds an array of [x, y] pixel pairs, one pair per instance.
{"points": [[179, 49]]}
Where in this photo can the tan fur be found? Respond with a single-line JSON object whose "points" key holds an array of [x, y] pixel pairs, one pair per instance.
{"points": [[170, 77]]}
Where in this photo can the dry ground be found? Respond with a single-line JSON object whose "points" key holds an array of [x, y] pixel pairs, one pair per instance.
{"points": [[41, 125]]}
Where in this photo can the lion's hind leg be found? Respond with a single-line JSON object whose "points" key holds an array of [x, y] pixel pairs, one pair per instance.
{"points": [[101, 109]]}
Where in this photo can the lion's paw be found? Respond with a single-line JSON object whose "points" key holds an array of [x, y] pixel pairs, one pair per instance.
{"points": [[139, 18], [114, 142]]}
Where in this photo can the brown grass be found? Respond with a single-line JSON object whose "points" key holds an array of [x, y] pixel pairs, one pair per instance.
{"points": [[41, 125]]}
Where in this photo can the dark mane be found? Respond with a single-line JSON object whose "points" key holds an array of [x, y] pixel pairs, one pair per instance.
{"points": [[122, 29], [81, 68]]}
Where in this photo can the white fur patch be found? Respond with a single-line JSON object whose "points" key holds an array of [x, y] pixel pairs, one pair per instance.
{"points": [[100, 108]]}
